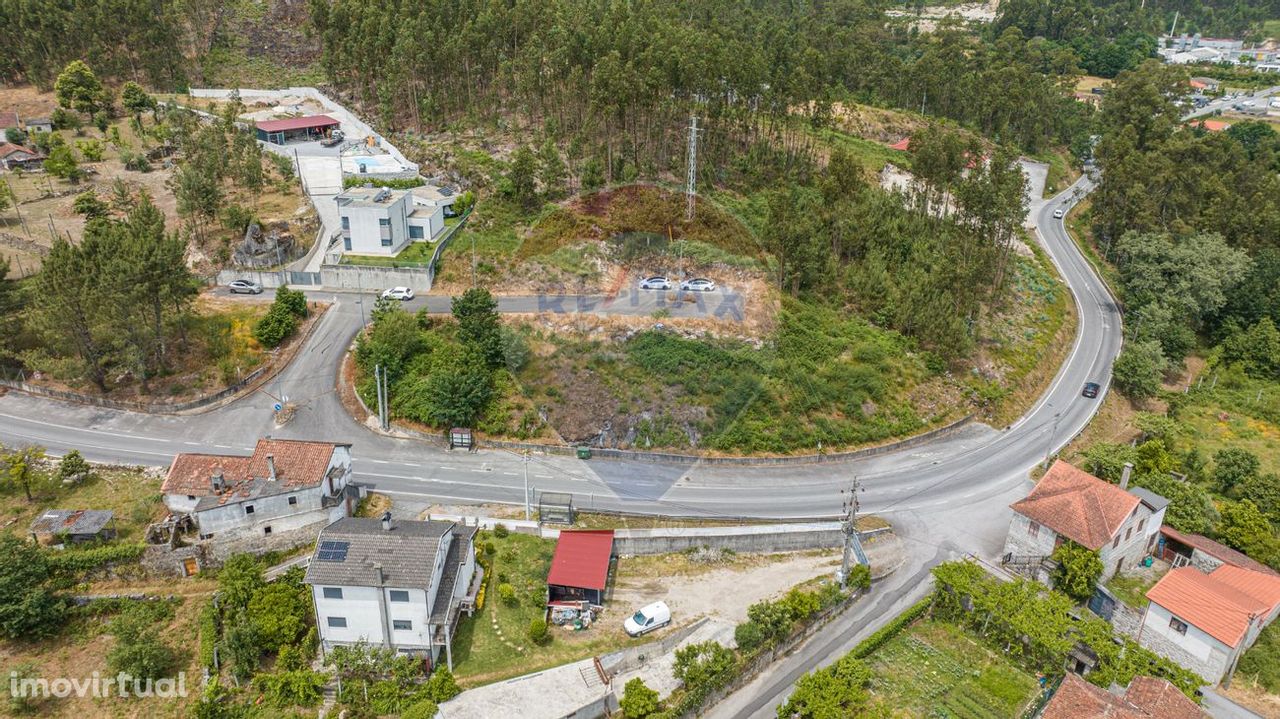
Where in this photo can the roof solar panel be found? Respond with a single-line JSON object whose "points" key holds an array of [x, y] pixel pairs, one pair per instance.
{"points": [[330, 551]]}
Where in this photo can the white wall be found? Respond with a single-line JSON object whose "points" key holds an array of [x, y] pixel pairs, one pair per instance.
{"points": [[366, 232], [1194, 650], [359, 606]]}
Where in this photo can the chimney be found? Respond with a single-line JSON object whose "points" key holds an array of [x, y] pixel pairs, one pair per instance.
{"points": [[216, 480], [377, 573], [1124, 476], [271, 467], [386, 521]]}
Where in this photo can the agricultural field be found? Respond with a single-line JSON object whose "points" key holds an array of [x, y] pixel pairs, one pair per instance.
{"points": [[935, 669]]}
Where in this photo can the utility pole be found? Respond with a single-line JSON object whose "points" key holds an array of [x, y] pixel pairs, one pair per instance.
{"points": [[380, 382], [852, 544], [1052, 433], [524, 459], [691, 176]]}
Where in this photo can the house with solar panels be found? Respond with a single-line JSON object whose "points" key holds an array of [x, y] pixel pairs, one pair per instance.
{"points": [[397, 584]]}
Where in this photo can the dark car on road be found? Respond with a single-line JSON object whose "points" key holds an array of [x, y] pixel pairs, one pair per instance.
{"points": [[1091, 389], [248, 287]]}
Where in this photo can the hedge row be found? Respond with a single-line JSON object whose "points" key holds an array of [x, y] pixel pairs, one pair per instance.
{"points": [[208, 633], [868, 646], [83, 560]]}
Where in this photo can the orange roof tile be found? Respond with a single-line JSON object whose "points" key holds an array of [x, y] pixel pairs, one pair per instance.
{"points": [[1265, 588], [903, 144], [1217, 609], [1077, 505], [1078, 699], [1217, 550], [1159, 698], [298, 464], [1214, 125]]}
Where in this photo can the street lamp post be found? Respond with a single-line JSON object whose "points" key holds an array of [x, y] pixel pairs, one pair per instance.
{"points": [[1048, 450]]}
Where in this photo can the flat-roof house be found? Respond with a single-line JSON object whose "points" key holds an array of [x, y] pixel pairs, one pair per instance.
{"points": [[1145, 698], [17, 157], [399, 584], [38, 124], [1071, 504], [284, 485], [74, 525], [296, 129], [1206, 621], [580, 567], [383, 221]]}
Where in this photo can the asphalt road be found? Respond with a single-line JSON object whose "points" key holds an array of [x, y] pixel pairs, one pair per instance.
{"points": [[946, 498]]}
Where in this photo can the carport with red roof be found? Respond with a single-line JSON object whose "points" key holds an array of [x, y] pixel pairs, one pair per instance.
{"points": [[295, 129], [580, 567]]}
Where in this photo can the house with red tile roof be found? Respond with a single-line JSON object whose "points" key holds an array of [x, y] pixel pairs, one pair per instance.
{"points": [[1181, 548], [1206, 621], [284, 485], [18, 157], [1146, 698], [1069, 504]]}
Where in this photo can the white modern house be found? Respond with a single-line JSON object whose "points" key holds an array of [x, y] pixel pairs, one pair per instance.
{"points": [[398, 584], [1071, 504], [284, 485], [1206, 621], [383, 221]]}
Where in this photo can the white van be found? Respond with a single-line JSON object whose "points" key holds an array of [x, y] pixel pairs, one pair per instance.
{"points": [[646, 620]]}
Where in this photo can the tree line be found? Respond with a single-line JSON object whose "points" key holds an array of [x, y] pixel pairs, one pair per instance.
{"points": [[1069, 20]]}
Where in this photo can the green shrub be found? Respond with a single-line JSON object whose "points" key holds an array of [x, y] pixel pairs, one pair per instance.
{"points": [[294, 301], [638, 700], [538, 633], [507, 594], [300, 687], [424, 709], [500, 530], [882, 635], [396, 183], [748, 636], [208, 633], [76, 561], [275, 327]]}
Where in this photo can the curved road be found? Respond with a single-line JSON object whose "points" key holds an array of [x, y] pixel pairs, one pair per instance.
{"points": [[946, 498]]}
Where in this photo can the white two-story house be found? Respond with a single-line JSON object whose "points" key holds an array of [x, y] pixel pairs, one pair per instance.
{"points": [[398, 584], [284, 485], [1071, 504], [383, 221], [1205, 622]]}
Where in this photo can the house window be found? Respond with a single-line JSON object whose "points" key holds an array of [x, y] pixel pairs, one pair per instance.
{"points": [[386, 242], [248, 509], [266, 530], [384, 222], [1128, 533], [1116, 543], [191, 497], [337, 622], [293, 500], [399, 595], [346, 244], [1177, 625], [416, 233], [401, 624], [332, 592], [1033, 529], [346, 222], [1141, 522]]}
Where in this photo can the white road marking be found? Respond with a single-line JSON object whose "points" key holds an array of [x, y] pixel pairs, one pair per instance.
{"points": [[379, 461], [83, 429]]}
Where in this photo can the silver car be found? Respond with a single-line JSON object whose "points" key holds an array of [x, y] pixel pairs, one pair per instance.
{"points": [[698, 284], [247, 287], [656, 282]]}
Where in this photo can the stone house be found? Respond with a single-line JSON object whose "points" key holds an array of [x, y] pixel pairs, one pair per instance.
{"points": [[1206, 621], [285, 485], [397, 584], [1184, 548], [1071, 504]]}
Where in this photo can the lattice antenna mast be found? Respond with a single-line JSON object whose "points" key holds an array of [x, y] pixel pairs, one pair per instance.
{"points": [[852, 542], [691, 177]]}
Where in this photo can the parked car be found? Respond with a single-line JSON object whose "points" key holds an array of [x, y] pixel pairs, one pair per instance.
{"points": [[654, 616], [655, 283], [404, 294], [1091, 389], [1058, 213], [335, 139], [698, 284], [247, 287]]}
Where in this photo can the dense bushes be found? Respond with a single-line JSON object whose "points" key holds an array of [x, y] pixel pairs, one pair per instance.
{"points": [[771, 621], [28, 609], [281, 321], [878, 638], [75, 561]]}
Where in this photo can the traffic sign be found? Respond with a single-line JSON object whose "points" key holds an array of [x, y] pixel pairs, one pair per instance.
{"points": [[277, 406]]}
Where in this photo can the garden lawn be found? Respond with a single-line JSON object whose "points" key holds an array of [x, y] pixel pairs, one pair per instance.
{"points": [[133, 495], [1132, 590], [494, 645], [935, 669], [1232, 417], [417, 254]]}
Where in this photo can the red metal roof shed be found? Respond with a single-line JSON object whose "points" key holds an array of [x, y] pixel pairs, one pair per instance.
{"points": [[582, 559], [298, 123]]}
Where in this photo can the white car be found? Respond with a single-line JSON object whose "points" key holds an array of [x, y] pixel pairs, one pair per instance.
{"points": [[654, 616], [655, 283], [699, 284], [404, 294], [1058, 213]]}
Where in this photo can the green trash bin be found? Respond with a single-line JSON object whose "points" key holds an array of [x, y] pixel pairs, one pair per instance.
{"points": [[584, 453]]}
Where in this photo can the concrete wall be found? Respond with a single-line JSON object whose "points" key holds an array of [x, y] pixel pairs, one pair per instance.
{"points": [[1127, 620], [1131, 540], [249, 541], [374, 279], [749, 538], [359, 606], [625, 660]]}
